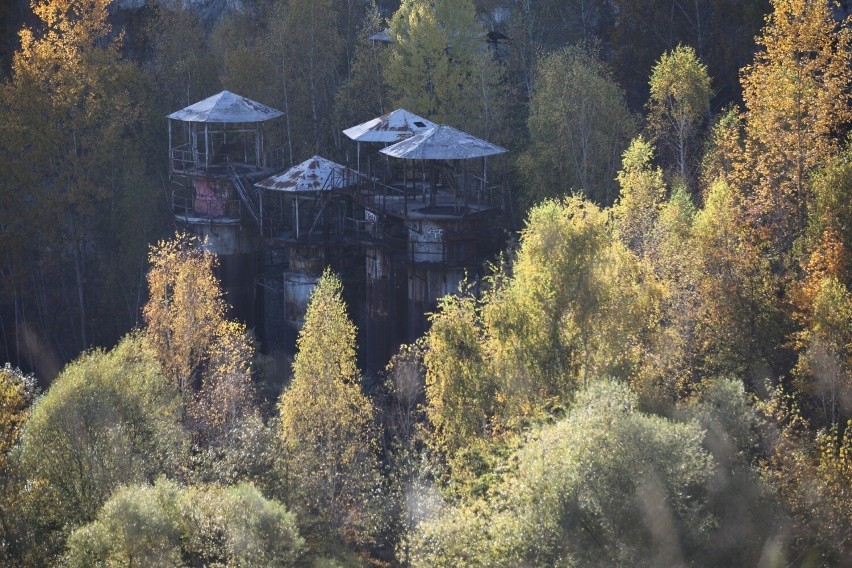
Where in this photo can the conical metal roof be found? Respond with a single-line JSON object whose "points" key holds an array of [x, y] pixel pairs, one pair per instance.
{"points": [[382, 36], [314, 174], [226, 107], [442, 143], [389, 128]]}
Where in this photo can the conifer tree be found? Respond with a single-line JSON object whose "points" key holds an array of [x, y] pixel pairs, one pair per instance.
{"points": [[438, 66], [328, 425]]}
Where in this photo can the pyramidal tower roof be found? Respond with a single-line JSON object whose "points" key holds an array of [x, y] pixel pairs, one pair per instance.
{"points": [[314, 174], [442, 143], [389, 128], [226, 107]]}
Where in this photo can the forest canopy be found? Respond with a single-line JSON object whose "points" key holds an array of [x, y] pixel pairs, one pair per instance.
{"points": [[655, 370]]}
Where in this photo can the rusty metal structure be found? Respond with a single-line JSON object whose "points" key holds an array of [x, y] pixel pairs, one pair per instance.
{"points": [[308, 223], [442, 219], [218, 148], [402, 227]]}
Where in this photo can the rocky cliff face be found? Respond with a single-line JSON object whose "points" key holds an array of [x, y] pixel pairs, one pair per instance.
{"points": [[15, 14], [210, 11]]}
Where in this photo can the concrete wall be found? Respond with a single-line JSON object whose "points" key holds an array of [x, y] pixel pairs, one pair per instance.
{"points": [[425, 285], [385, 310], [236, 247]]}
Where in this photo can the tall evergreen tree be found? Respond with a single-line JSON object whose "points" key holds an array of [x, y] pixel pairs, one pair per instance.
{"points": [[328, 425], [438, 66]]}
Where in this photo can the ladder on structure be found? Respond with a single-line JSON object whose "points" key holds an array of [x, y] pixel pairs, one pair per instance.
{"points": [[251, 206], [324, 197]]}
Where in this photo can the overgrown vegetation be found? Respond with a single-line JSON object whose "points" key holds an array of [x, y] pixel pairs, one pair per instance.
{"points": [[657, 373]]}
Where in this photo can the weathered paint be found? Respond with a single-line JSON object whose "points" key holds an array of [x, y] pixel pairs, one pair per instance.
{"points": [[211, 197], [385, 305], [226, 107], [314, 174], [425, 285], [236, 248], [225, 238], [442, 143], [425, 241], [297, 289], [389, 128], [237, 274]]}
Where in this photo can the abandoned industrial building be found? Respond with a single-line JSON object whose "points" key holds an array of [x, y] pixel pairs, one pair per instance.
{"points": [[402, 224]]}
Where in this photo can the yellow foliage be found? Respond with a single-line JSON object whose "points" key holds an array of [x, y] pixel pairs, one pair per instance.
{"points": [[185, 310], [206, 356], [460, 390], [327, 424], [793, 93], [812, 475], [16, 393]]}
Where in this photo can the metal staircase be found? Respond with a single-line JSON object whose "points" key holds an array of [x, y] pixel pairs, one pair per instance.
{"points": [[245, 196]]}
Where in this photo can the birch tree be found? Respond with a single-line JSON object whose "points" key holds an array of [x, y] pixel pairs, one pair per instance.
{"points": [[579, 126], [678, 108], [791, 93]]}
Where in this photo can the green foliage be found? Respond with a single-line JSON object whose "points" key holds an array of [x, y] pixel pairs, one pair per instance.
{"points": [[679, 104], [460, 391], [437, 67], [746, 517], [251, 452], [723, 409], [579, 126], [328, 428], [108, 420], [724, 153], [606, 486], [576, 305], [642, 195], [167, 525], [538, 319], [672, 364]]}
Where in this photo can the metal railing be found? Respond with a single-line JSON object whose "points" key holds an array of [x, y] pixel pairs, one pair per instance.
{"points": [[185, 159], [208, 209]]}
